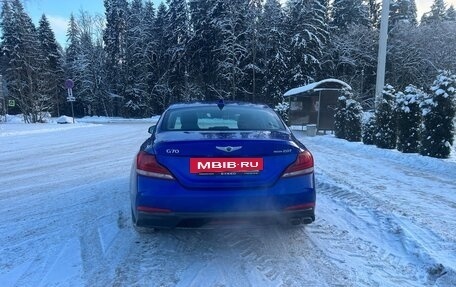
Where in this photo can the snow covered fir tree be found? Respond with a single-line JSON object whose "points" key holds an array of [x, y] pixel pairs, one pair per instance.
{"points": [[408, 113], [347, 118], [340, 117], [369, 129], [438, 109], [137, 58], [282, 109], [30, 61], [385, 116], [354, 113]]}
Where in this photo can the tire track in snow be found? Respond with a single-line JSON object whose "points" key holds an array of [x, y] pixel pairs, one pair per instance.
{"points": [[388, 183], [367, 202], [344, 247], [388, 244], [365, 261], [63, 164], [256, 256], [59, 214], [302, 264]]}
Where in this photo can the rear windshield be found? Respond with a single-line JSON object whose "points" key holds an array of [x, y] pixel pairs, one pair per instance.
{"points": [[229, 118]]}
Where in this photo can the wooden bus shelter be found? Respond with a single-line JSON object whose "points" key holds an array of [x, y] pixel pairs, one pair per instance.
{"points": [[315, 103]]}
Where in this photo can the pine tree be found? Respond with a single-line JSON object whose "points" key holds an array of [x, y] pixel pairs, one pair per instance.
{"points": [[135, 102], [91, 72], [230, 21], [438, 10], [369, 129], [274, 53], [317, 18], [386, 136], [438, 110], [408, 119], [406, 60], [72, 52], [161, 90], [451, 14], [52, 70], [23, 60], [114, 45], [374, 14], [351, 55], [8, 41], [412, 13], [176, 35], [403, 11], [73, 45], [354, 113], [340, 120], [348, 116], [204, 41], [308, 34], [437, 13], [85, 65], [150, 47], [348, 12], [252, 64], [282, 109]]}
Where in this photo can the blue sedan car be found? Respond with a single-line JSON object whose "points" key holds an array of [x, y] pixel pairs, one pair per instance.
{"points": [[209, 163]]}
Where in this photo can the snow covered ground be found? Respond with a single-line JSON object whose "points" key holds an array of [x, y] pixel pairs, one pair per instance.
{"points": [[383, 219]]}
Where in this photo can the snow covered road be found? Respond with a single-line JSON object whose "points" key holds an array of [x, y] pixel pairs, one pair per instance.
{"points": [[383, 219]]}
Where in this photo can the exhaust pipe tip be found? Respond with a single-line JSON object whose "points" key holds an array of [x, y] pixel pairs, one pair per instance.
{"points": [[295, 221], [301, 220], [307, 220]]}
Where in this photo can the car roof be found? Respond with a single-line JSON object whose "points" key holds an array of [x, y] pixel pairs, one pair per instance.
{"points": [[208, 104]]}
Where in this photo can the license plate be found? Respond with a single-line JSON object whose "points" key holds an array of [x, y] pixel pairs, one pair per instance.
{"points": [[221, 165]]}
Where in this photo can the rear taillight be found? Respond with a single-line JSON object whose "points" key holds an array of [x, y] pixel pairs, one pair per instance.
{"points": [[301, 206], [304, 164], [153, 209], [147, 165]]}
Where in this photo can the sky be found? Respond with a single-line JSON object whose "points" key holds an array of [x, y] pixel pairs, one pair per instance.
{"points": [[58, 11]]}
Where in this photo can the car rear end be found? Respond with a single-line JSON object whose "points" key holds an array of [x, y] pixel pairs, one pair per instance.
{"points": [[222, 169]]}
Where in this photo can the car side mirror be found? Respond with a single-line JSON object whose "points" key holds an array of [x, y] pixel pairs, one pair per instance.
{"points": [[152, 129]]}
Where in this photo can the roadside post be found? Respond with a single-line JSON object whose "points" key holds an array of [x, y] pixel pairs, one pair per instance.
{"points": [[69, 84], [3, 97]]}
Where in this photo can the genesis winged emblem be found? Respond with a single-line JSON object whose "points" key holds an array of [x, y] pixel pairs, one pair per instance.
{"points": [[228, 148]]}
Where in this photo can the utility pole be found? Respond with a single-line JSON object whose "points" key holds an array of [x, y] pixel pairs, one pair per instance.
{"points": [[381, 63]]}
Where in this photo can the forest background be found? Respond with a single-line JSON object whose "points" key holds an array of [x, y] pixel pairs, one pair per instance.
{"points": [[137, 58]]}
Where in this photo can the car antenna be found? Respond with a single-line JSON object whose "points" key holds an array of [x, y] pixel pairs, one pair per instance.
{"points": [[221, 104]]}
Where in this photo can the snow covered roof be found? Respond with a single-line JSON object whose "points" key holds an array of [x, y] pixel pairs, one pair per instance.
{"points": [[327, 84]]}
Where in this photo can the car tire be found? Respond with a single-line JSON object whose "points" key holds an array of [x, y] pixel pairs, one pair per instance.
{"points": [[139, 228]]}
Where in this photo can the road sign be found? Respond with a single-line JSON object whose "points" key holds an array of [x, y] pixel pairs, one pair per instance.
{"points": [[70, 97], [11, 103], [69, 84]]}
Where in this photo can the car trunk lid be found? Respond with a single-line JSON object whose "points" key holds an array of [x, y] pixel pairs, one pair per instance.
{"points": [[225, 159]]}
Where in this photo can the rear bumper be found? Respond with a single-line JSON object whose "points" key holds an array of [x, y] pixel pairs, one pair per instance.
{"points": [[195, 220], [165, 203]]}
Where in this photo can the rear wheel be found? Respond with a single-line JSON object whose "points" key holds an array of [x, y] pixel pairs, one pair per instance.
{"points": [[139, 228]]}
